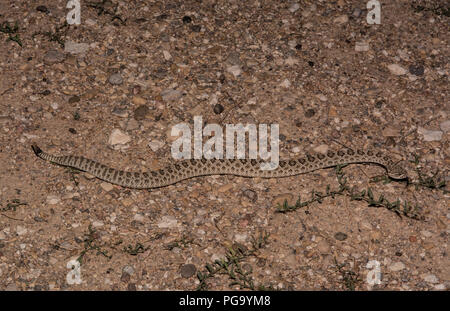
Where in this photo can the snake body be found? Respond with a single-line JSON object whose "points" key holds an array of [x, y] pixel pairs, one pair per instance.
{"points": [[185, 169]]}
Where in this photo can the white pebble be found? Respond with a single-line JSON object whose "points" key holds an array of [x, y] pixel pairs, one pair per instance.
{"points": [[118, 137]]}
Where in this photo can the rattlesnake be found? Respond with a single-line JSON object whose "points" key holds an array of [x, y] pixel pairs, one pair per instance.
{"points": [[185, 169]]}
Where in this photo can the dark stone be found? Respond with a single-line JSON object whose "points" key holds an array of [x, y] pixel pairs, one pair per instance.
{"points": [[218, 109], [188, 270], [311, 63], [416, 70], [141, 112], [340, 236], [43, 9], [187, 19], [310, 113], [196, 28], [72, 130], [298, 47], [74, 99]]}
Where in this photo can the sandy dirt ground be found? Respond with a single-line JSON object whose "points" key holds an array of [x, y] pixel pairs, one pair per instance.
{"points": [[111, 88]]}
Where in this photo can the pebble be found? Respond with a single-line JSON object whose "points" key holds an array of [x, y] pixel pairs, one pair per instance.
{"points": [[397, 266], [141, 112], [235, 70], [97, 224], [340, 236], [416, 70], [430, 135], [137, 100], [188, 270], [426, 234], [250, 194], [240, 238], [155, 145], [167, 55], [167, 222], [218, 108], [397, 69], [53, 199], [362, 47], [128, 269], [139, 217], [171, 95], [286, 83], [356, 12], [20, 230], [115, 79], [118, 137], [321, 149], [132, 125], [323, 247], [43, 9], [341, 19], [120, 112], [53, 57], [430, 278], [445, 126], [75, 47], [106, 186], [225, 188], [390, 132], [294, 7]]}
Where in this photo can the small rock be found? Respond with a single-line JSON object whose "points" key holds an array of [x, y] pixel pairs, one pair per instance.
{"points": [[391, 132], [416, 70], [397, 266], [91, 22], [53, 199], [362, 47], [74, 99], [225, 188], [323, 247], [445, 126], [141, 112], [294, 7], [125, 277], [132, 125], [188, 270], [250, 194], [20, 230], [53, 57], [310, 113], [356, 12], [167, 222], [155, 145], [139, 101], [97, 224], [340, 236], [187, 19], [426, 234], [118, 137], [397, 69], [235, 70], [75, 48], [43, 9], [120, 112], [167, 55], [240, 238], [218, 108], [321, 149], [430, 278], [132, 287], [128, 269], [115, 79], [430, 135], [106, 186], [171, 95], [341, 19], [139, 217], [286, 83]]}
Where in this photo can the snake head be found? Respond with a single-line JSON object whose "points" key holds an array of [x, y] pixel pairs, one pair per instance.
{"points": [[396, 171]]}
